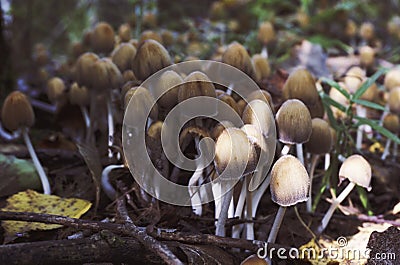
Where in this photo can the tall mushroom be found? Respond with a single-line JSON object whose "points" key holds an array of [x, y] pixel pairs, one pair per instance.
{"points": [[17, 114], [289, 185], [358, 171]]}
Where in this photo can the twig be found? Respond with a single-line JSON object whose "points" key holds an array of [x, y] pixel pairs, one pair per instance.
{"points": [[123, 229], [148, 241]]}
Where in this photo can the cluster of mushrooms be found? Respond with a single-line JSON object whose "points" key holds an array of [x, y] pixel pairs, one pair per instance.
{"points": [[106, 74]]}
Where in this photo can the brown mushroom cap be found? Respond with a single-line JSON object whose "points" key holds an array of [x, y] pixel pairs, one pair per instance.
{"points": [[196, 84], [85, 73], [394, 100], [321, 138], [367, 56], [392, 78], [55, 89], [17, 111], [124, 32], [301, 85], [294, 124], [150, 57], [289, 181], [142, 99], [219, 128], [391, 122], [108, 75], [354, 78], [263, 95], [261, 67], [167, 86], [150, 35], [123, 55], [103, 38], [266, 32], [357, 170], [78, 95], [233, 148], [237, 56], [367, 30], [254, 260]]}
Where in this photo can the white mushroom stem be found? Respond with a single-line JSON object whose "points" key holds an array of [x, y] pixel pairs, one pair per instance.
{"points": [[236, 229], [334, 204], [314, 161], [387, 149], [277, 224], [110, 120], [327, 161], [193, 189], [299, 152], [86, 118], [249, 211], [285, 149], [105, 181], [36, 162], [223, 215], [229, 89], [361, 112], [264, 52], [43, 106]]}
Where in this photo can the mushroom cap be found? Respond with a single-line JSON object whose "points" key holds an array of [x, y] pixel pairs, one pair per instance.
{"points": [[103, 38], [78, 95], [340, 98], [301, 85], [294, 124], [392, 78], [237, 56], [261, 67], [124, 32], [354, 78], [371, 93], [123, 55], [55, 89], [357, 170], [394, 100], [367, 56], [266, 32], [367, 30], [167, 87], [257, 139], [234, 154], [289, 181], [254, 260], [142, 101], [228, 99], [220, 127], [150, 57], [17, 111], [150, 35], [263, 95], [321, 137], [108, 75], [391, 122], [85, 73], [258, 113], [194, 85]]}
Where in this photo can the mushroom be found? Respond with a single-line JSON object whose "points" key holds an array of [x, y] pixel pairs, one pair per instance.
{"points": [[234, 157], [294, 124], [289, 185], [122, 56], [255, 260], [366, 32], [17, 114], [392, 123], [320, 142], [79, 95], [358, 171], [367, 57], [392, 78], [266, 34], [103, 38], [261, 67], [150, 57], [124, 32]]}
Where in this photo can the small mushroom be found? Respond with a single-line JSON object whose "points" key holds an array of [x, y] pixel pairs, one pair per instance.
{"points": [[289, 185], [294, 124], [392, 123], [358, 171], [266, 34], [79, 95], [103, 38], [17, 114]]}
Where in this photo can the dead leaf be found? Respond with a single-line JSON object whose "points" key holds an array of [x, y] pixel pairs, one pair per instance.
{"points": [[32, 201]]}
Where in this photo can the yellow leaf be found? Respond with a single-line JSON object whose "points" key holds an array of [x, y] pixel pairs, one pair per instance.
{"points": [[32, 201], [376, 148]]}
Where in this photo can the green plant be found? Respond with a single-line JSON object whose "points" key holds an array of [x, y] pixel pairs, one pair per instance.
{"points": [[344, 146]]}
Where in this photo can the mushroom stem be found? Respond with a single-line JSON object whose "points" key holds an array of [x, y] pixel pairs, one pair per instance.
{"points": [[285, 149], [327, 161], [105, 181], [229, 89], [236, 229], [223, 215], [86, 118], [361, 112], [395, 146], [194, 191], [387, 149], [249, 211], [43, 106], [314, 161], [110, 120], [299, 152], [264, 52], [334, 204], [259, 193], [36, 162], [277, 223]]}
